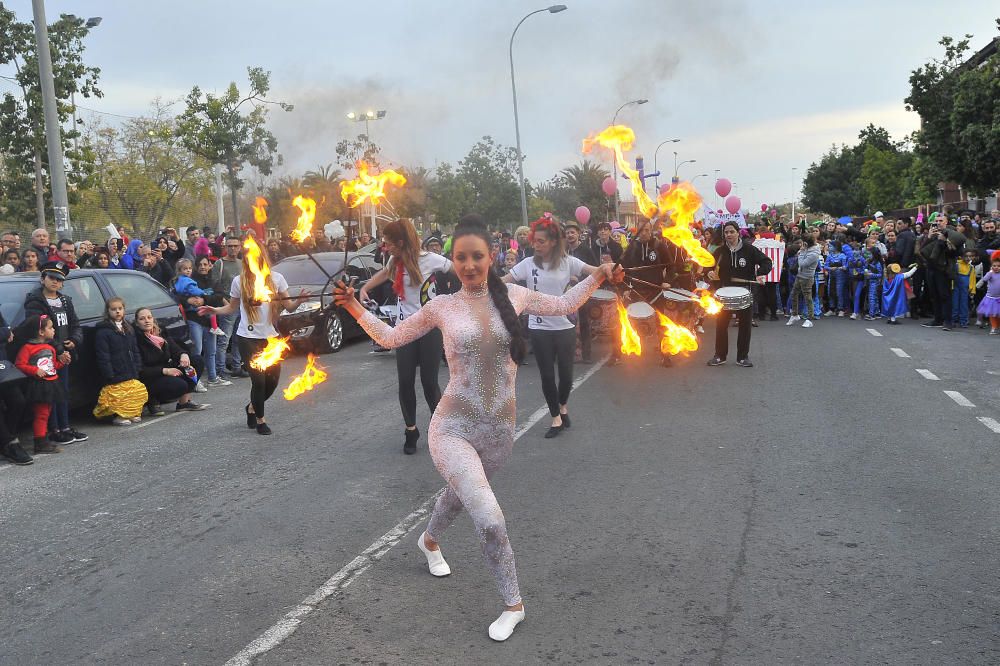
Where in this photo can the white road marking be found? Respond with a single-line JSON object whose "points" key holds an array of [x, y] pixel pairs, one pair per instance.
{"points": [[959, 398], [927, 374], [874, 332], [150, 420], [899, 352], [992, 424], [287, 625]]}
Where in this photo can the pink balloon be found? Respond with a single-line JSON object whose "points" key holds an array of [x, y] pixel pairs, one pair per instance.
{"points": [[763, 208], [733, 204], [582, 214], [723, 187], [609, 186]]}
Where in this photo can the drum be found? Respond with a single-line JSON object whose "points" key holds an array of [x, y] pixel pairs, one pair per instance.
{"points": [[734, 298], [642, 316], [603, 313]]}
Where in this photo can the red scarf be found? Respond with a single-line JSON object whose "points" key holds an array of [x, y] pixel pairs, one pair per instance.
{"points": [[397, 283], [155, 339]]}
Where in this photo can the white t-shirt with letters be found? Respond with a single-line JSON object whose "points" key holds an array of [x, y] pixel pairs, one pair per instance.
{"points": [[552, 281]]}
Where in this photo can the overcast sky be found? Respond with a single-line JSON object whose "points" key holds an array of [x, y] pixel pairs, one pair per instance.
{"points": [[753, 89]]}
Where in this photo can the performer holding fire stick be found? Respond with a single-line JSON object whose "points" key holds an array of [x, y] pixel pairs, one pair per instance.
{"points": [[259, 311], [472, 431], [411, 271]]}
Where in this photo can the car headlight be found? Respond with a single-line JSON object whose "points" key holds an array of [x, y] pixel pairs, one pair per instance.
{"points": [[307, 306]]}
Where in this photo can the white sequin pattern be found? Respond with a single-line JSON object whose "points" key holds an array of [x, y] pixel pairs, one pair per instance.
{"points": [[471, 434]]}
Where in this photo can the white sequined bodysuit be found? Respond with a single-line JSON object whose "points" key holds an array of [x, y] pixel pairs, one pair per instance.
{"points": [[471, 434]]}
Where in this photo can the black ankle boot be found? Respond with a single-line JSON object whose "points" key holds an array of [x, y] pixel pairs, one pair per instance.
{"points": [[410, 445]]}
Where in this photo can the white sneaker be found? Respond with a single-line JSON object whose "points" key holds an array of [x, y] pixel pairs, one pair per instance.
{"points": [[200, 387], [218, 381], [699, 329], [217, 331], [137, 419], [503, 626], [436, 564], [807, 323], [119, 421], [792, 320], [854, 316]]}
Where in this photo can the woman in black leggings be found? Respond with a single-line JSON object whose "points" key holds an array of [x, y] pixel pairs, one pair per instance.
{"points": [[551, 271], [415, 276], [256, 326]]}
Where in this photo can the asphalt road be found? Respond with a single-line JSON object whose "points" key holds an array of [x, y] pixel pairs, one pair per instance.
{"points": [[831, 505]]}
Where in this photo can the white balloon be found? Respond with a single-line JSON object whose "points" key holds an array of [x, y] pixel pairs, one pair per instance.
{"points": [[334, 230]]}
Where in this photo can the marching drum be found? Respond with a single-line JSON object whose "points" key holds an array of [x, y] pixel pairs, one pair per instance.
{"points": [[603, 313], [734, 298], [642, 316]]}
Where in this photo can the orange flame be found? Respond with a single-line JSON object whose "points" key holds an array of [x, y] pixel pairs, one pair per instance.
{"points": [[258, 266], [312, 376], [631, 344], [369, 187], [260, 211], [681, 202], [619, 138], [676, 339], [272, 353], [304, 227], [709, 303]]}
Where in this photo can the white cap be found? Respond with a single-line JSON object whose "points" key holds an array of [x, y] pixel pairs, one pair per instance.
{"points": [[879, 215]]}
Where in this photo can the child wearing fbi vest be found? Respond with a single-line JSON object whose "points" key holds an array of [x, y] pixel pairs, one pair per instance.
{"points": [[39, 361]]}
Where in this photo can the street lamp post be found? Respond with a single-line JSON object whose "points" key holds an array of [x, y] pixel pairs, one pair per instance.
{"points": [[698, 176], [614, 163], [678, 166], [794, 169], [655, 167], [53, 133], [367, 117], [554, 9]]}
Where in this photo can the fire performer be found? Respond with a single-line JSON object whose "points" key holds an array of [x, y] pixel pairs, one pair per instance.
{"points": [[412, 271], [257, 323], [656, 261], [746, 264], [550, 270], [472, 432]]}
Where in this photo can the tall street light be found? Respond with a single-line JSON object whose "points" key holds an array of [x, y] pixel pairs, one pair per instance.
{"points": [[614, 163], [53, 133], [794, 169], [698, 176], [656, 169], [366, 118], [678, 166], [554, 9]]}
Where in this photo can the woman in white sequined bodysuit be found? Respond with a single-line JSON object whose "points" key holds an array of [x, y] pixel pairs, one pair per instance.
{"points": [[471, 434]]}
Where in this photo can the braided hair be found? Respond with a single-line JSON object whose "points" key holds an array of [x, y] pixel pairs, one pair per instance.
{"points": [[473, 225]]}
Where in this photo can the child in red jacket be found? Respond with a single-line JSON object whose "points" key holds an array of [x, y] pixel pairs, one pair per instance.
{"points": [[39, 361]]}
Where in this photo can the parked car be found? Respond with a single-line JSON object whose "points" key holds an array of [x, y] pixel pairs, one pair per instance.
{"points": [[317, 322], [89, 289]]}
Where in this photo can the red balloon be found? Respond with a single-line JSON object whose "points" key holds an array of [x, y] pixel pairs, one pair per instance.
{"points": [[582, 214], [609, 186], [763, 208], [733, 204], [723, 187]]}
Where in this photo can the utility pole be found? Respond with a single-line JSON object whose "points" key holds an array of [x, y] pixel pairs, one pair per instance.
{"points": [[220, 199], [53, 134]]}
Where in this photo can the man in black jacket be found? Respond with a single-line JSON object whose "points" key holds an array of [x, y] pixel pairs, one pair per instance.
{"points": [[48, 300], [906, 242], [582, 252], [940, 252], [743, 261]]}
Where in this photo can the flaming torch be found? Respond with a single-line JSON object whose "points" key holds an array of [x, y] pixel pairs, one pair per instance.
{"points": [[681, 202], [676, 339], [258, 266], [709, 302], [312, 376], [272, 353], [631, 343], [367, 187], [303, 228], [618, 139]]}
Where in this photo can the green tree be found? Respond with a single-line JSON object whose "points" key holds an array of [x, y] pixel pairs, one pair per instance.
{"points": [[881, 178], [23, 158], [219, 130], [585, 180], [412, 200], [143, 177], [449, 197], [490, 170], [831, 185], [350, 151]]}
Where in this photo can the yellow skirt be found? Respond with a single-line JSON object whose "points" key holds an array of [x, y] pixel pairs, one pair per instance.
{"points": [[125, 399]]}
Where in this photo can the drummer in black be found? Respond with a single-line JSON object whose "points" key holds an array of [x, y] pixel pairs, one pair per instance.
{"points": [[654, 260], [742, 261], [582, 252]]}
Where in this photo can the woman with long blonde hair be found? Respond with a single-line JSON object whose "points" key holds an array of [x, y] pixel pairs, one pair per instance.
{"points": [[414, 273], [257, 324]]}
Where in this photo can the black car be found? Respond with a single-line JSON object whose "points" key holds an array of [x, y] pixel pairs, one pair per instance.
{"points": [[89, 289], [317, 321]]}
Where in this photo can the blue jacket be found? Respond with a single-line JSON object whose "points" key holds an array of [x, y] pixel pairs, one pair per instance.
{"points": [[856, 265], [186, 287], [873, 269]]}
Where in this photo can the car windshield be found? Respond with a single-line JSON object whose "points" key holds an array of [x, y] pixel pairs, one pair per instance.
{"points": [[301, 270], [12, 298]]}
